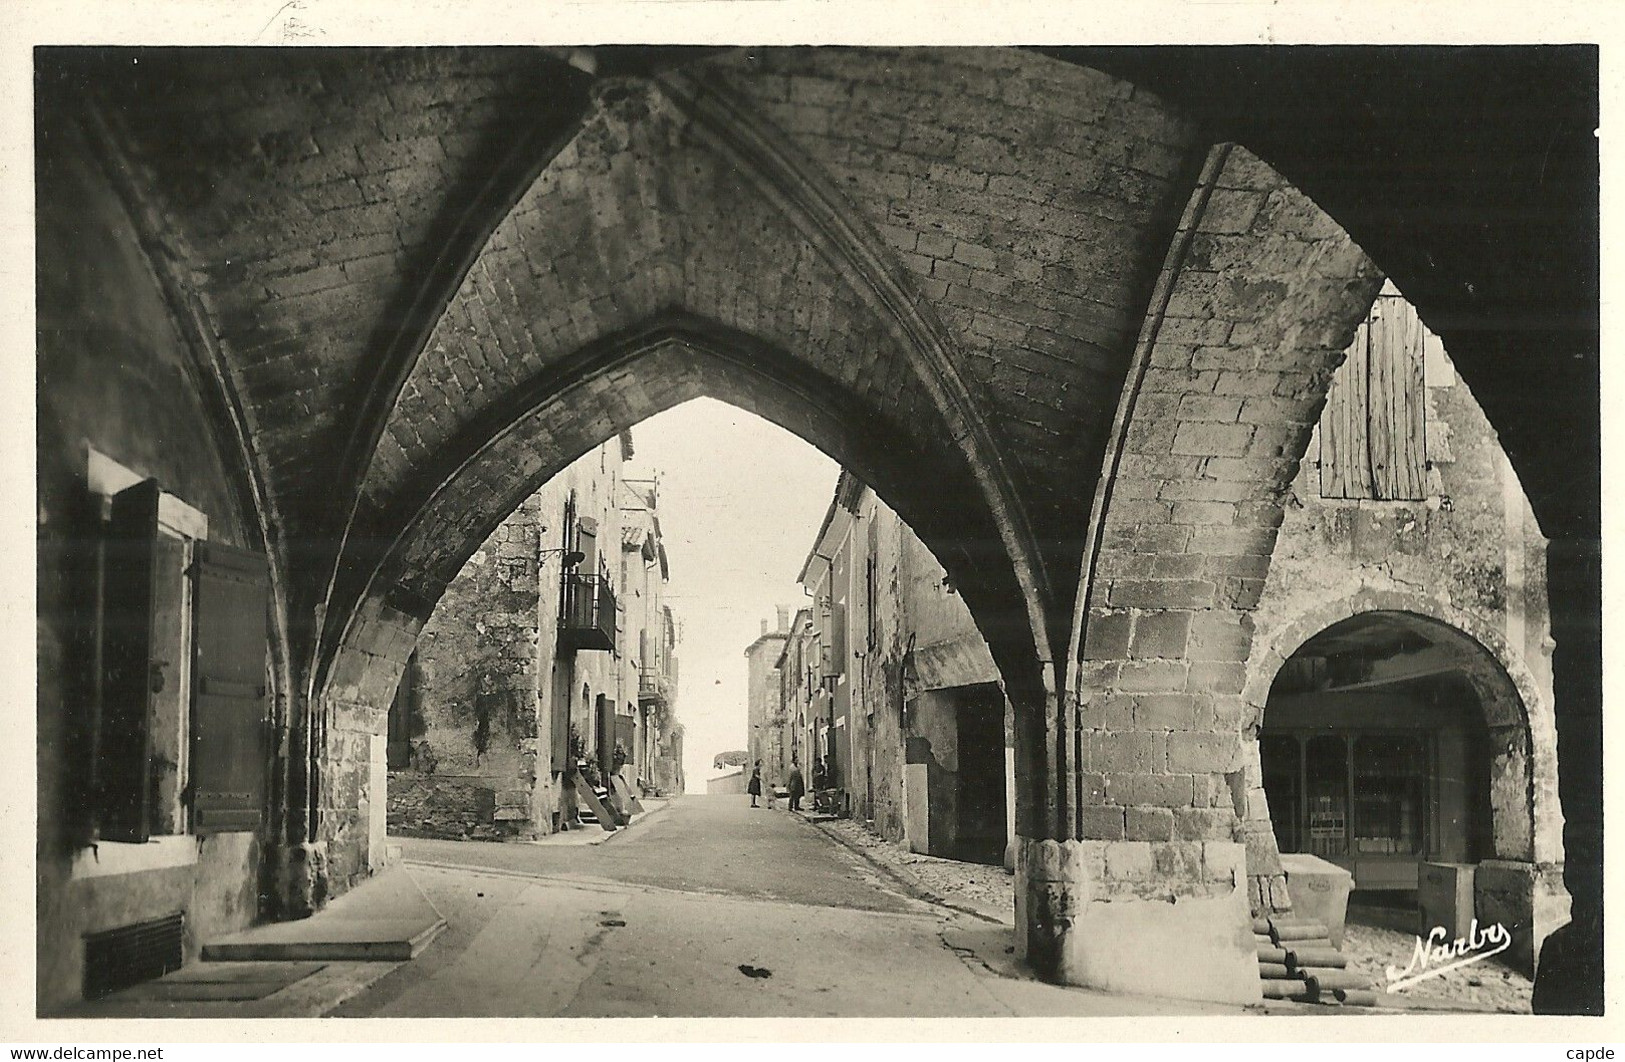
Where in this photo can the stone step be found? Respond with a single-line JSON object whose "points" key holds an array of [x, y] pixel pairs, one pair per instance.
{"points": [[384, 919], [1297, 961]]}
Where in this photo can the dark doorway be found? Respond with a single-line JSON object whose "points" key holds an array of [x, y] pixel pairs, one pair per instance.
{"points": [[981, 774]]}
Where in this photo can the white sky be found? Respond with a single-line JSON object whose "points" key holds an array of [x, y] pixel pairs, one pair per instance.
{"points": [[740, 502]]}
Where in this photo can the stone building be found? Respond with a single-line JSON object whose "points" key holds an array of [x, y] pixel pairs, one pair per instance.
{"points": [[799, 738], [553, 643], [894, 687], [1402, 644], [763, 710], [353, 307]]}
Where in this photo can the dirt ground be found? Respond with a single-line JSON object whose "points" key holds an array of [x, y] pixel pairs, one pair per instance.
{"points": [[1484, 985]]}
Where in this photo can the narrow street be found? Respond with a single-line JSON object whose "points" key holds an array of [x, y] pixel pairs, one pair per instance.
{"points": [[708, 908]]}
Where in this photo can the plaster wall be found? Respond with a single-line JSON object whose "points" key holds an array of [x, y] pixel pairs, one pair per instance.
{"points": [[116, 373]]}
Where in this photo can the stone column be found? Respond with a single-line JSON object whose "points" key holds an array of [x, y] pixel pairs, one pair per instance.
{"points": [[1569, 978], [1147, 889]]}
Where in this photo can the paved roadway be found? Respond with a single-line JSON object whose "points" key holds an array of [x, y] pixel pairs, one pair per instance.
{"points": [[707, 908]]}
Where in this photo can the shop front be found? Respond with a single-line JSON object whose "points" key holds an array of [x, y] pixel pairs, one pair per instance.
{"points": [[1401, 750]]}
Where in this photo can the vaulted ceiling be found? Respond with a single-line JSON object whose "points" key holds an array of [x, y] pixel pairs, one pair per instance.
{"points": [[382, 247]]}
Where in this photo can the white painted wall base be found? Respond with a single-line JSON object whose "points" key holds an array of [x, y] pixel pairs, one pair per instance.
{"points": [[1198, 947], [917, 807], [1009, 808], [377, 806]]}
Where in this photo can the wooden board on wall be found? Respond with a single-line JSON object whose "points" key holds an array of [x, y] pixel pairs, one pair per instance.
{"points": [[1397, 397], [1344, 462]]}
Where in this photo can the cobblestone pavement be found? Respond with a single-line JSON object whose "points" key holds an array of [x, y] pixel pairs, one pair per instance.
{"points": [[990, 892], [986, 890]]}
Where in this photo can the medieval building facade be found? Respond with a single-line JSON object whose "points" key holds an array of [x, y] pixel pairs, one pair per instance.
{"points": [[552, 647], [764, 711]]}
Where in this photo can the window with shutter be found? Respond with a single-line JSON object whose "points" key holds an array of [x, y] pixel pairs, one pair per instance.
{"points": [[141, 758], [229, 693], [123, 763], [838, 637], [1373, 430], [587, 543]]}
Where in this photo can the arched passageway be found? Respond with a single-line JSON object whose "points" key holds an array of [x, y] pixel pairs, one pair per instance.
{"points": [[1076, 343]]}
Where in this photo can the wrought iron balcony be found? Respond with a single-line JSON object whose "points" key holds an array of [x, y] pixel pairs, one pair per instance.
{"points": [[653, 685], [586, 612]]}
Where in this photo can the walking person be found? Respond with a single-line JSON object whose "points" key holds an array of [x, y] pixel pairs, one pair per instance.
{"points": [[796, 785], [820, 780], [754, 788]]}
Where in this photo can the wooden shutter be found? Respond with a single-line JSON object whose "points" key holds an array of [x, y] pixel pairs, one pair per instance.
{"points": [[1396, 395], [605, 737], [123, 767], [1373, 431], [228, 706], [1345, 470], [587, 543], [838, 625]]}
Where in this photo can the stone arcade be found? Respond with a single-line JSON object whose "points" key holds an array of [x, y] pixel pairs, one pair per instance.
{"points": [[350, 308]]}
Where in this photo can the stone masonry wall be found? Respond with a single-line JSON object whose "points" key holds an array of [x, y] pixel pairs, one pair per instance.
{"points": [[1258, 301], [477, 696], [918, 613]]}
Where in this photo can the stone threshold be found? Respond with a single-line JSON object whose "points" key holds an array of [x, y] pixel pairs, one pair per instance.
{"points": [[384, 919]]}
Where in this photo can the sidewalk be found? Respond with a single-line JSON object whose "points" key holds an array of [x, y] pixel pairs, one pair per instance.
{"points": [[593, 833]]}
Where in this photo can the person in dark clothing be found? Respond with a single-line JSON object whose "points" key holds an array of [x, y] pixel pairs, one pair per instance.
{"points": [[754, 788], [796, 786], [820, 783]]}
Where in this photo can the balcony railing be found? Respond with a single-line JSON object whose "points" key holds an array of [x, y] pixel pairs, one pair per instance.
{"points": [[653, 685], [586, 612]]}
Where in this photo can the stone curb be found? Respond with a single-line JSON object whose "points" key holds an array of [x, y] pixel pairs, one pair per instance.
{"points": [[907, 882]]}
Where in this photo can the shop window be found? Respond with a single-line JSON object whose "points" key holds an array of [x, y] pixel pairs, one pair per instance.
{"points": [[1349, 794], [1390, 793], [1325, 787]]}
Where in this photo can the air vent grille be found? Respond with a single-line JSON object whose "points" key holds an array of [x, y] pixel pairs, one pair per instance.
{"points": [[118, 958]]}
